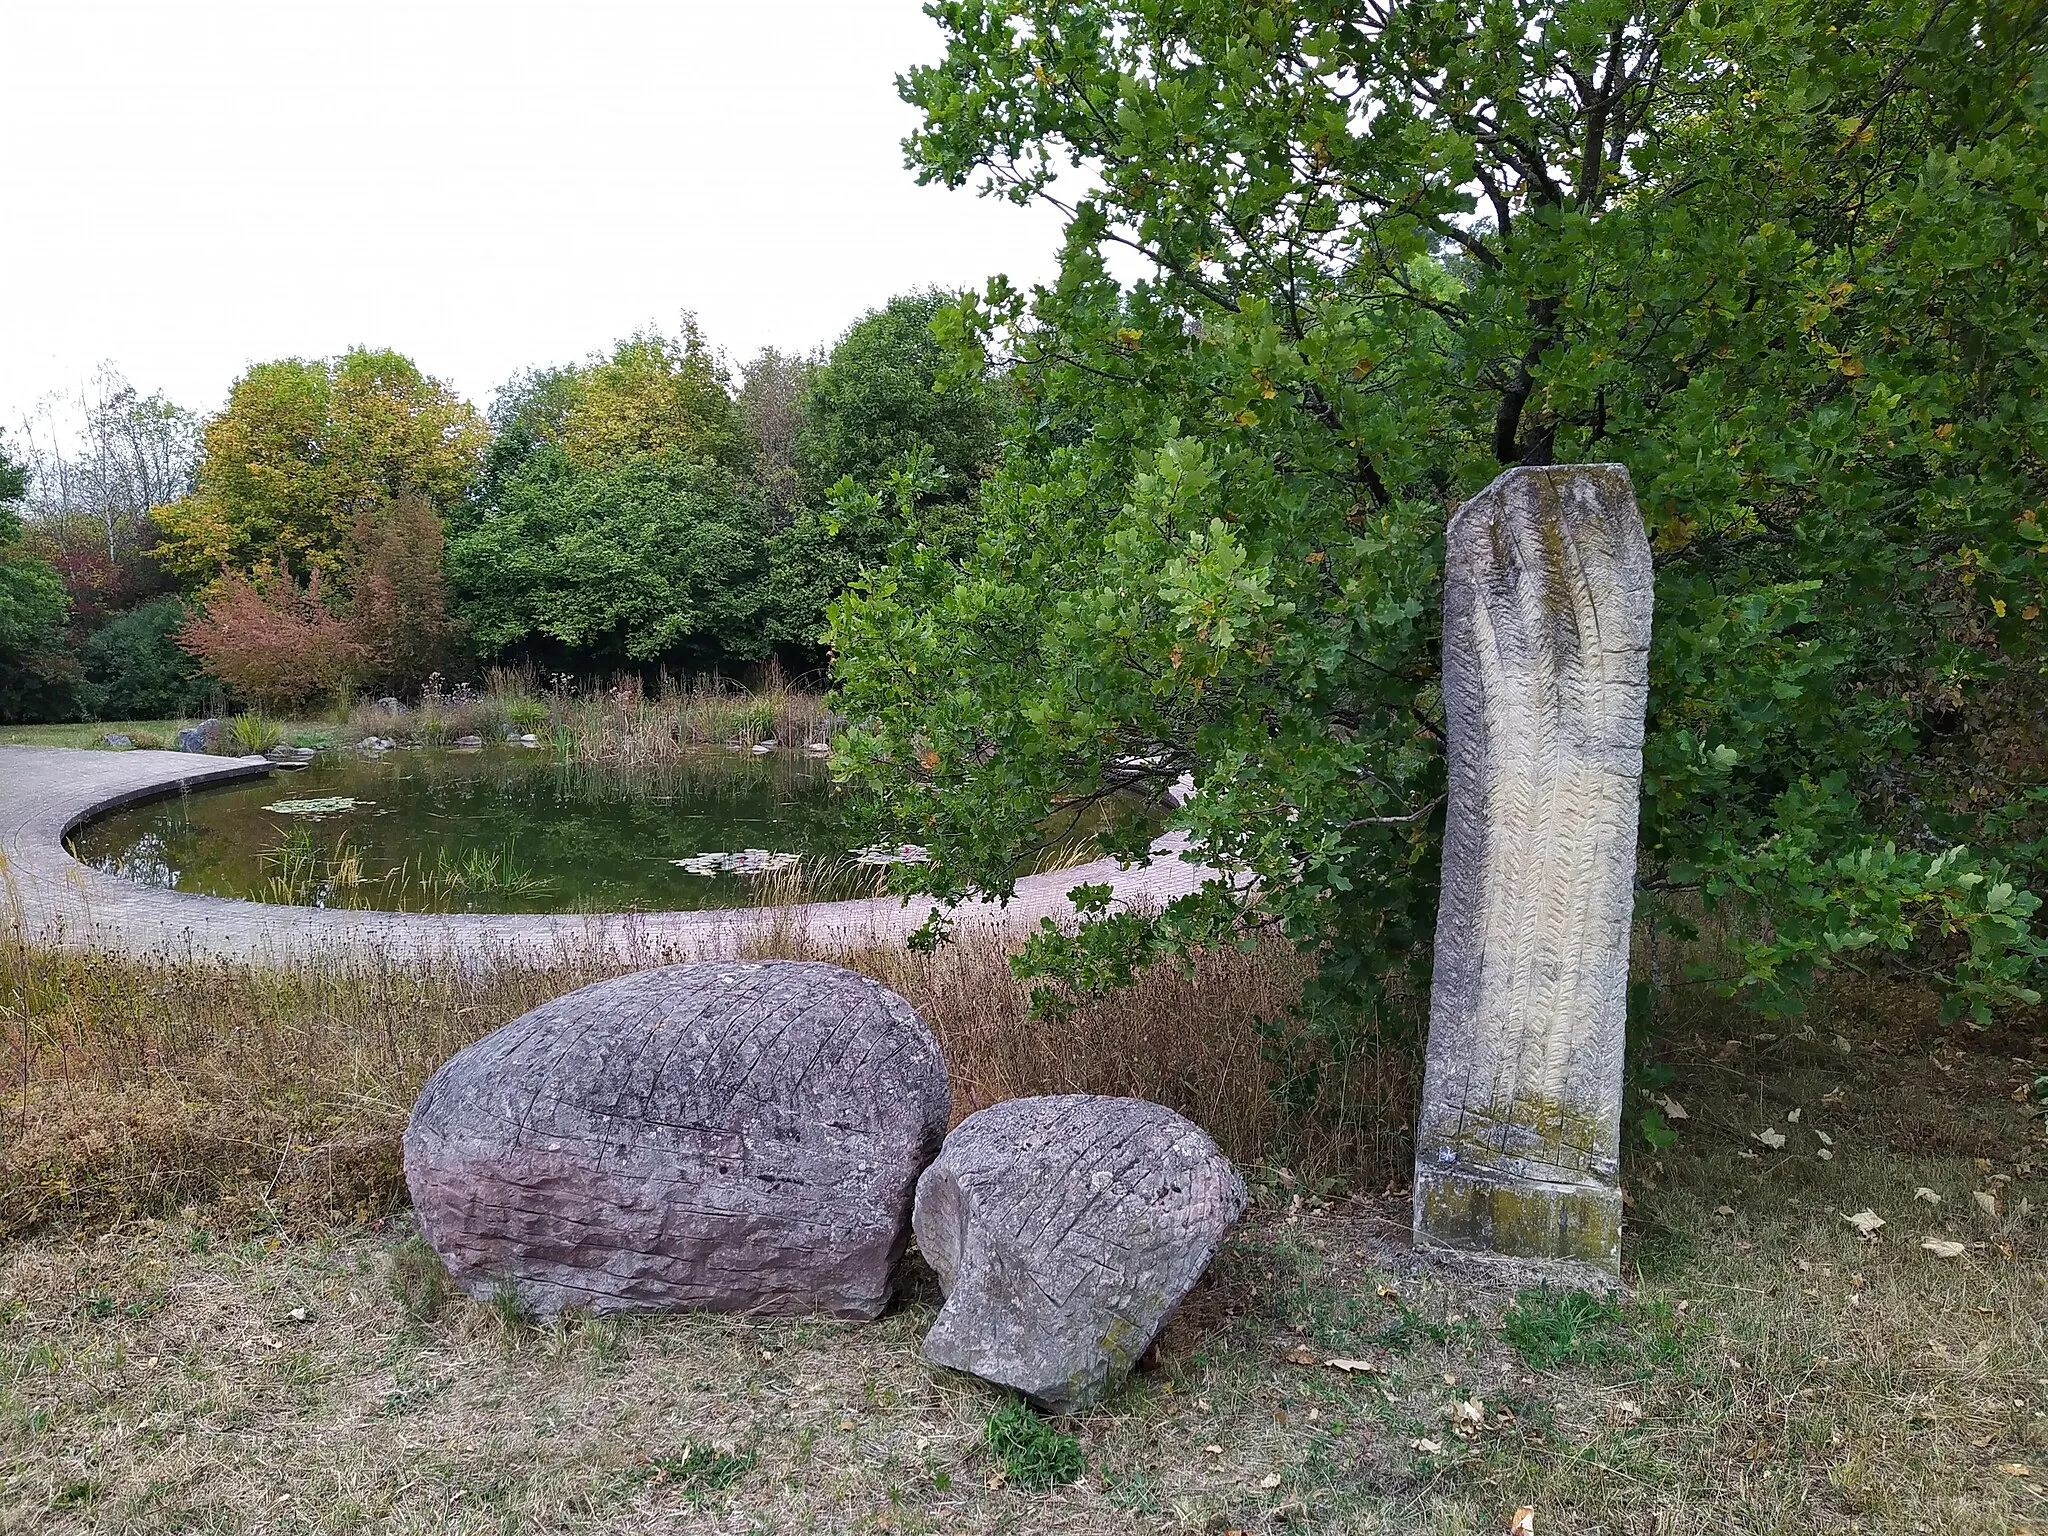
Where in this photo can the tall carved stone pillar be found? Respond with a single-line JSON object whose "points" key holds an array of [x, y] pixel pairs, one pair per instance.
{"points": [[1546, 642]]}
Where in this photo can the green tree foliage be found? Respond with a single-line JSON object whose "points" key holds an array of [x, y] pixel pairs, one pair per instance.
{"points": [[617, 517], [1782, 258], [895, 441], [775, 392], [135, 669], [880, 398], [658, 556], [656, 397], [36, 675], [302, 449]]}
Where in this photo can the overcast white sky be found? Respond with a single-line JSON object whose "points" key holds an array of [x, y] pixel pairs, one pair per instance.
{"points": [[188, 186]]}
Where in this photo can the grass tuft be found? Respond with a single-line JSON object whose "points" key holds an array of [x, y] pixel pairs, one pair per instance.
{"points": [[700, 1470], [1030, 1451], [418, 1282], [251, 734], [1549, 1329]]}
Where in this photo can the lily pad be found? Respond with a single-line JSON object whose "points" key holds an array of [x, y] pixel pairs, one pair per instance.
{"points": [[324, 805], [881, 855], [748, 861]]}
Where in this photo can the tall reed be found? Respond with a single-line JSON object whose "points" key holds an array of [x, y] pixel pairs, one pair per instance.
{"points": [[619, 721]]}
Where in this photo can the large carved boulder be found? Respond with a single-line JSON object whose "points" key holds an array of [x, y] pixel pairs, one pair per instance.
{"points": [[740, 1137], [1064, 1231], [1547, 597]]}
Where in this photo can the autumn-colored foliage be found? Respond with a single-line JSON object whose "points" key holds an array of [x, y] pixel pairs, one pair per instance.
{"points": [[281, 643], [303, 448], [398, 605], [275, 641]]}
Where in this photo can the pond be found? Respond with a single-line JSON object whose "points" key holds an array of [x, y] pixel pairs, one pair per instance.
{"points": [[500, 830]]}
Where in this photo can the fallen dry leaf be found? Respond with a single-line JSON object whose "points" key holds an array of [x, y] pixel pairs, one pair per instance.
{"points": [[1213, 1450], [1427, 1447], [1825, 1155], [1791, 1117], [1673, 1110], [1627, 1410], [1351, 1367], [1468, 1417], [1825, 1139], [1771, 1137], [1301, 1354], [1944, 1247], [1270, 1480], [1524, 1523], [2015, 1469], [1986, 1202], [1723, 1212], [1866, 1223], [1924, 1193]]}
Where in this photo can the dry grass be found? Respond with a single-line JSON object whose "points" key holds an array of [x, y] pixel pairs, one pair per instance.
{"points": [[133, 1088], [221, 1325], [1770, 1373]]}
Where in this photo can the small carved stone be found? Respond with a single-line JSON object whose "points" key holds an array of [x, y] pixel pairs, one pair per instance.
{"points": [[738, 1137], [1065, 1230], [1547, 595]]}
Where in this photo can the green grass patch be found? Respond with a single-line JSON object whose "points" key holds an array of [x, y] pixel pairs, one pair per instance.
{"points": [[1549, 1329], [699, 1470], [1030, 1451]]}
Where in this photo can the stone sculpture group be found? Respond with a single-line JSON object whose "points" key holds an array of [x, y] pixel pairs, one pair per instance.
{"points": [[754, 1137], [765, 1137]]}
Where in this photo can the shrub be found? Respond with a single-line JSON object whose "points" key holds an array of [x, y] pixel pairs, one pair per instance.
{"points": [[398, 603], [274, 642], [135, 669]]}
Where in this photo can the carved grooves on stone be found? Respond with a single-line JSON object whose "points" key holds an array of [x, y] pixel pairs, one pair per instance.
{"points": [[1064, 1230], [1547, 602], [728, 1135]]}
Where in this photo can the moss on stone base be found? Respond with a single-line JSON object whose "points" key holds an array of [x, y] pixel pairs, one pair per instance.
{"points": [[1520, 1218]]}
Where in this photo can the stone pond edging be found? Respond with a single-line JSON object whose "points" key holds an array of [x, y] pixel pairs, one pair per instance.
{"points": [[47, 791]]}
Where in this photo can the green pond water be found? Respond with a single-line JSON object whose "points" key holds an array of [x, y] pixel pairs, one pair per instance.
{"points": [[500, 830]]}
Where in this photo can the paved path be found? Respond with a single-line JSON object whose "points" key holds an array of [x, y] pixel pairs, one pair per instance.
{"points": [[46, 791]]}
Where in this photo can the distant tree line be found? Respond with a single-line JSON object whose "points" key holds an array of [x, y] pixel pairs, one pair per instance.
{"points": [[351, 524]]}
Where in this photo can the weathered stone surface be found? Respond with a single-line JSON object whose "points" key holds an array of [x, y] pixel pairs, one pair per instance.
{"points": [[1547, 593], [1064, 1231], [740, 1137], [203, 737]]}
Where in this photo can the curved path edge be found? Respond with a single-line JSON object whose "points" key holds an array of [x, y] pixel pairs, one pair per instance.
{"points": [[57, 901]]}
